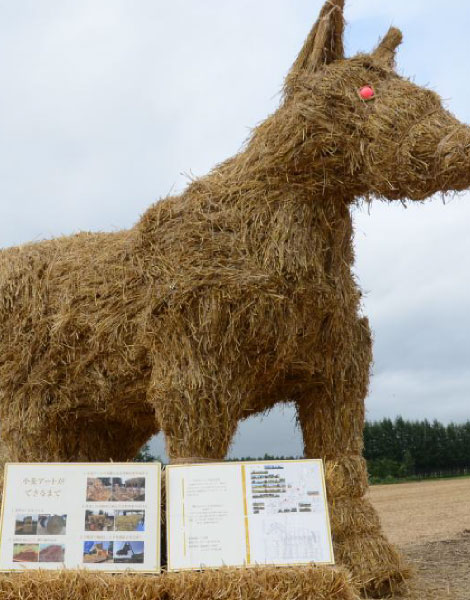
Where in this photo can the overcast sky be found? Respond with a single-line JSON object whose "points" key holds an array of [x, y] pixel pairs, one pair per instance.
{"points": [[107, 104]]}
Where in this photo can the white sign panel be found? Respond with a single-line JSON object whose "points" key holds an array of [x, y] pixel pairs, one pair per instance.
{"points": [[247, 513], [98, 516]]}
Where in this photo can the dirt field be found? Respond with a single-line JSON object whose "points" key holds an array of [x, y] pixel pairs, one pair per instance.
{"points": [[430, 523]]}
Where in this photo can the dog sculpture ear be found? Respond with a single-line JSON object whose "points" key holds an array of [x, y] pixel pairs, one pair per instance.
{"points": [[323, 45], [387, 48]]}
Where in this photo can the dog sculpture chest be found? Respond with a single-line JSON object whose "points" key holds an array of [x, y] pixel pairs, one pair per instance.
{"points": [[234, 296]]}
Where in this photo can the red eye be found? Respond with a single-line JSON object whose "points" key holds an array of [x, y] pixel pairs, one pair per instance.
{"points": [[366, 92]]}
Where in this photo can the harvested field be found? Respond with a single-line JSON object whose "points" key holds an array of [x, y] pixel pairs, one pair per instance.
{"points": [[129, 521], [430, 522]]}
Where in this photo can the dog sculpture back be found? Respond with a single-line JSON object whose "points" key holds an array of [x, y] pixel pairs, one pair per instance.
{"points": [[236, 295]]}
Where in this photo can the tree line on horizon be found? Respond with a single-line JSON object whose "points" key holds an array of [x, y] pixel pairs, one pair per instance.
{"points": [[399, 448], [396, 449]]}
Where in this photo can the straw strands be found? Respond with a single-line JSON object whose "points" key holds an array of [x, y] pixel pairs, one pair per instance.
{"points": [[295, 583], [235, 295]]}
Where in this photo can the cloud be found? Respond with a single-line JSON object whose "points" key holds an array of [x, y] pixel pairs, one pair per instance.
{"points": [[419, 394], [398, 11]]}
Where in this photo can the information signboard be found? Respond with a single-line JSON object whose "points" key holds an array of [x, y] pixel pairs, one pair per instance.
{"points": [[247, 513], [99, 516]]}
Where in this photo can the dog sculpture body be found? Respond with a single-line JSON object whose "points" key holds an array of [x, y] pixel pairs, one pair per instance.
{"points": [[236, 295]]}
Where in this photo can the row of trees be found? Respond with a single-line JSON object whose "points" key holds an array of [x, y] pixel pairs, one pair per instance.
{"points": [[402, 448]]}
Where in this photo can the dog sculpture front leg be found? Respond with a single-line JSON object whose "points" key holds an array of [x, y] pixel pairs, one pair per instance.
{"points": [[331, 417]]}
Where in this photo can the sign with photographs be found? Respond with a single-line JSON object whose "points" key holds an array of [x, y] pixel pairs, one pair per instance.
{"points": [[100, 516], [247, 513]]}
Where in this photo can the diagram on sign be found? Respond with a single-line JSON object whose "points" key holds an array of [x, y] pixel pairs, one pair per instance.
{"points": [[247, 513], [287, 521]]}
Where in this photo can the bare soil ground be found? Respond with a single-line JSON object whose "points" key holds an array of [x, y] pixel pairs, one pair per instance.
{"points": [[430, 523]]}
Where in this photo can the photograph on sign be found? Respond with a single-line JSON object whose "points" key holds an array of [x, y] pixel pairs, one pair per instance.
{"points": [[246, 514], [99, 516]]}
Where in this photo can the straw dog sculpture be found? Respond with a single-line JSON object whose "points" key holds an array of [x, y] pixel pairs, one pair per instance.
{"points": [[236, 295]]}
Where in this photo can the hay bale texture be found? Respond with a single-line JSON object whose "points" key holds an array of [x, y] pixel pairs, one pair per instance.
{"points": [[301, 583], [235, 295]]}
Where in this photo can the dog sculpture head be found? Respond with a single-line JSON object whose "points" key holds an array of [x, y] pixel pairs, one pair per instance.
{"points": [[369, 131]]}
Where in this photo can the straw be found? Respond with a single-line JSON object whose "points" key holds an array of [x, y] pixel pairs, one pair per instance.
{"points": [[235, 295]]}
